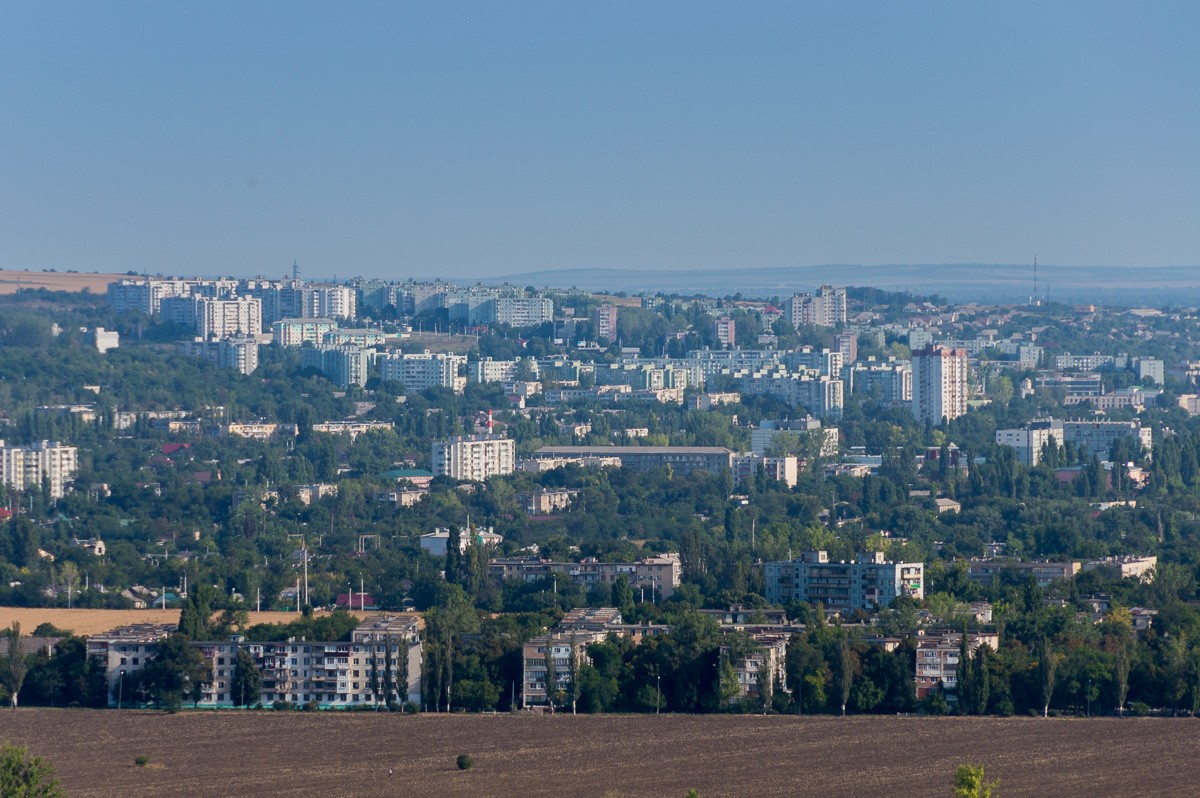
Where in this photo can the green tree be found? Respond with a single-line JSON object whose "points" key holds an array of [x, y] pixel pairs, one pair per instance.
{"points": [[969, 783], [14, 664], [176, 671], [25, 776], [843, 672], [195, 616], [622, 595], [1048, 660], [245, 686]]}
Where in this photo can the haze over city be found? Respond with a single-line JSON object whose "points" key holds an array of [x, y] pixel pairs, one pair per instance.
{"points": [[474, 140]]}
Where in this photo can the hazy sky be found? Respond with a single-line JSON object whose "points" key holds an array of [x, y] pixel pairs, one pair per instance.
{"points": [[473, 139]]}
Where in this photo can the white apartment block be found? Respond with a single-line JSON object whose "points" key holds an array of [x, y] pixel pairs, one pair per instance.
{"points": [[827, 308], [474, 457], [762, 436], [337, 302], [296, 332], [1097, 437], [890, 381], [333, 674], [524, 311], [225, 318], [939, 384], [725, 332], [819, 395], [343, 365], [239, 353], [488, 370], [418, 372], [43, 462]]}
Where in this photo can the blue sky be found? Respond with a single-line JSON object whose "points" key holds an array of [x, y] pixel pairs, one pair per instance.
{"points": [[474, 139]]}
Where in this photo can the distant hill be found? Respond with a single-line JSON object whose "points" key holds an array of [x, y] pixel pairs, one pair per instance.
{"points": [[959, 282]]}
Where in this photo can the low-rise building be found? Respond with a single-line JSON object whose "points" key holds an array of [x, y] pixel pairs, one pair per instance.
{"points": [[1044, 571], [661, 574], [937, 659]]}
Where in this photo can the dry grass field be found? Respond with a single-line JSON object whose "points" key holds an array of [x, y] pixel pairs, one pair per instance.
{"points": [[266, 754], [11, 281], [90, 622]]}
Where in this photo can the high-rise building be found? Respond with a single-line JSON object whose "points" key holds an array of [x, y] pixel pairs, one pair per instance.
{"points": [[223, 318], [343, 364], [604, 320], [939, 384], [47, 463], [474, 457], [419, 371], [826, 309], [726, 332]]}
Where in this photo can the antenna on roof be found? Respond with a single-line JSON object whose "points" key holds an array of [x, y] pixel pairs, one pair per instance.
{"points": [[1033, 298]]}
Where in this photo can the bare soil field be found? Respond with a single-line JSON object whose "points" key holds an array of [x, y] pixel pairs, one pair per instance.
{"points": [[11, 281], [266, 754], [90, 622]]}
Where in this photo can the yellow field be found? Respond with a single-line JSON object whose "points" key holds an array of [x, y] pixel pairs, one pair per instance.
{"points": [[90, 622], [11, 281]]}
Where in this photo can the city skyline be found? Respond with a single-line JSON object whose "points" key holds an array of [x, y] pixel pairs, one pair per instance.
{"points": [[472, 141]]}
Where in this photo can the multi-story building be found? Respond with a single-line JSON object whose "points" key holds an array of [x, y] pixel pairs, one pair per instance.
{"points": [[763, 668], [225, 318], [359, 336], [1097, 437], [937, 659], [939, 384], [337, 302], [820, 395], [297, 332], [660, 575], [604, 322], [681, 459], [47, 464], [825, 309], [352, 428], [343, 365], [420, 371], [782, 469], [333, 674], [474, 457], [889, 382], [489, 370], [260, 430], [551, 659], [865, 583], [523, 311], [725, 332], [762, 436], [239, 353], [1043, 571], [847, 344]]}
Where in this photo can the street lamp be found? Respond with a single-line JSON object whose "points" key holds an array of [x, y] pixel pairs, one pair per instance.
{"points": [[657, 692], [1089, 698], [120, 688]]}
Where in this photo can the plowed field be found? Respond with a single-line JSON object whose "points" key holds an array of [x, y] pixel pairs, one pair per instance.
{"points": [[265, 754]]}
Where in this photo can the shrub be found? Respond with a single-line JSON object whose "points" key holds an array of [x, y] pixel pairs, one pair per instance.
{"points": [[411, 708], [1139, 708], [464, 762], [24, 774], [141, 761]]}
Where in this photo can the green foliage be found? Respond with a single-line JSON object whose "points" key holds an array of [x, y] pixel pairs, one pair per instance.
{"points": [[970, 783], [245, 686], [25, 775], [464, 762], [141, 760]]}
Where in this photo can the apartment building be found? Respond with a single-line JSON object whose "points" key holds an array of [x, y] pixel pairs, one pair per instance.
{"points": [[725, 331], [890, 381], [337, 674], [660, 574], [523, 311], [784, 469], [1097, 437], [765, 433], [763, 668], [938, 659], [1043, 571], [682, 460], [352, 428], [238, 353], [297, 332], [421, 371], [866, 583], [343, 365], [604, 322], [827, 308], [939, 384], [474, 457], [42, 463], [226, 318]]}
